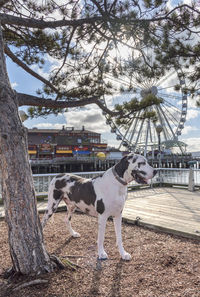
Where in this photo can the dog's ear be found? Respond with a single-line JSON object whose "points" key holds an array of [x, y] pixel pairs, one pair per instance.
{"points": [[122, 166]]}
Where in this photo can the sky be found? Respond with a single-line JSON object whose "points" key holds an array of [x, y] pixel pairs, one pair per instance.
{"points": [[91, 117]]}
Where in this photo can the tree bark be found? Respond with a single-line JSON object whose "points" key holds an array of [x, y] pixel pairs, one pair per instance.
{"points": [[27, 249]]}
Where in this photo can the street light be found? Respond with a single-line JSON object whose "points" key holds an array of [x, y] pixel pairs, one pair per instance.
{"points": [[159, 129]]}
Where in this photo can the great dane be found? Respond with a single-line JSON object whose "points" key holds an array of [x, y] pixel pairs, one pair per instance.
{"points": [[102, 196]]}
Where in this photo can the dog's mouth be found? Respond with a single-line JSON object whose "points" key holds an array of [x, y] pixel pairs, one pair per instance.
{"points": [[138, 178]]}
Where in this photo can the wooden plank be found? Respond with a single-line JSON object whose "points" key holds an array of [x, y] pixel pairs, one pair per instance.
{"points": [[170, 210], [164, 219]]}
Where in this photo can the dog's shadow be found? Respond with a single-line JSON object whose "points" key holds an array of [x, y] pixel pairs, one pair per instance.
{"points": [[59, 249], [114, 291]]}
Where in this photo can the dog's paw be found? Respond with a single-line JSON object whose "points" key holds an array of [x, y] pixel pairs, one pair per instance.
{"points": [[102, 256], [76, 234], [126, 256]]}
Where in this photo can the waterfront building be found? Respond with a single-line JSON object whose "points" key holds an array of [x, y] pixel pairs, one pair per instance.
{"points": [[67, 142]]}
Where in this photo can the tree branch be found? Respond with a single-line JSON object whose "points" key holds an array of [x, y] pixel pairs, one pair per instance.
{"points": [[29, 100], [27, 69], [41, 24], [66, 53]]}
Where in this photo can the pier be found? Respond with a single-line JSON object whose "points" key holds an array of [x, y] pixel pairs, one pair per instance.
{"points": [[171, 207], [84, 164]]}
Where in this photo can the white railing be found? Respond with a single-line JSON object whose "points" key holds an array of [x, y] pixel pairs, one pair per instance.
{"points": [[178, 176], [42, 181], [172, 176]]}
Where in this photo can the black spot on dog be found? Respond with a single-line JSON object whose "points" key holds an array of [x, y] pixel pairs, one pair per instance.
{"points": [[59, 184], [57, 194], [100, 206], [53, 206], [134, 159], [122, 166], [87, 210], [60, 175], [82, 190], [134, 172]]}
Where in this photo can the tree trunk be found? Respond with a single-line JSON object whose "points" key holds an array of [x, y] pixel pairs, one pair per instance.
{"points": [[25, 234]]}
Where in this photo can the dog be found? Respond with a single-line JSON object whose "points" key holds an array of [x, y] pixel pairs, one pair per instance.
{"points": [[102, 196]]}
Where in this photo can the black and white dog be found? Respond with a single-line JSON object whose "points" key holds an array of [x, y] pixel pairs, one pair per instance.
{"points": [[102, 196]]}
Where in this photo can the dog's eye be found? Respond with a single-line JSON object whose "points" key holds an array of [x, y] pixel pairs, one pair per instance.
{"points": [[141, 163]]}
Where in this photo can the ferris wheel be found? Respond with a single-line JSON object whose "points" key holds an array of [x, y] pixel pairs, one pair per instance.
{"points": [[141, 135]]}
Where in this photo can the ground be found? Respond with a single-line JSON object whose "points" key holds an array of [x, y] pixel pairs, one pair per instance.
{"points": [[162, 265]]}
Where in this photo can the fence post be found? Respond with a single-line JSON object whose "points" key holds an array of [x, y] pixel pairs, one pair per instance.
{"points": [[191, 180]]}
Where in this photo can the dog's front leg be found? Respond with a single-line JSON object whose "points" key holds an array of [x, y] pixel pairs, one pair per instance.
{"points": [[118, 227], [101, 233]]}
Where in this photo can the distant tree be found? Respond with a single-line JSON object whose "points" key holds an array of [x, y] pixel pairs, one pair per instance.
{"points": [[84, 37]]}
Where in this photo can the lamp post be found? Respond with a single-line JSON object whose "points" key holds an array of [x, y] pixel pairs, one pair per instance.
{"points": [[159, 129]]}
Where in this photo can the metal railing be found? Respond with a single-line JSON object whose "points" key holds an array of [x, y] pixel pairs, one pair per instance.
{"points": [[172, 176], [42, 181], [176, 176]]}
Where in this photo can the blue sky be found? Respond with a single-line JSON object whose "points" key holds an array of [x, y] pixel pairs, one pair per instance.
{"points": [[92, 117]]}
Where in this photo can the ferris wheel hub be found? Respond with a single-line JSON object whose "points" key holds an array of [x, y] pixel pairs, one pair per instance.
{"points": [[153, 90]]}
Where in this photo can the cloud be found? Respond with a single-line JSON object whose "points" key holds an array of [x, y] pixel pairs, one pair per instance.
{"points": [[14, 85], [48, 126], [193, 144], [91, 118], [191, 102], [192, 114], [188, 129]]}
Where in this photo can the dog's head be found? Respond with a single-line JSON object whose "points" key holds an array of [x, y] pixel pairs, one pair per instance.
{"points": [[135, 167]]}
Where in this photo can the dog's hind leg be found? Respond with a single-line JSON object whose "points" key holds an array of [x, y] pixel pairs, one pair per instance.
{"points": [[51, 208], [70, 210], [118, 227], [52, 204]]}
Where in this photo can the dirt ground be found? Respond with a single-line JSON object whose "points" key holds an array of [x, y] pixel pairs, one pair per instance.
{"points": [[162, 265]]}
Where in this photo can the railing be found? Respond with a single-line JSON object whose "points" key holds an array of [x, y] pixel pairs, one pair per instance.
{"points": [[42, 181], [178, 176], [172, 176]]}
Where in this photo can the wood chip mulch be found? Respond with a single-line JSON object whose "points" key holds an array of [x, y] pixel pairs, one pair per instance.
{"points": [[162, 265]]}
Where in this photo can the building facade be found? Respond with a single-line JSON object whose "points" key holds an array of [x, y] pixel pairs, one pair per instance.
{"points": [[67, 142]]}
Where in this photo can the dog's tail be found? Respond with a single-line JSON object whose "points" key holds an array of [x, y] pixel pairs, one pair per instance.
{"points": [[52, 204]]}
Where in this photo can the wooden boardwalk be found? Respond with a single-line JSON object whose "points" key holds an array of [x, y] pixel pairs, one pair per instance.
{"points": [[171, 210]]}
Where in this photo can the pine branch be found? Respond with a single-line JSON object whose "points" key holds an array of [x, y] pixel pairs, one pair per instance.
{"points": [[66, 53], [41, 24], [27, 69], [29, 100]]}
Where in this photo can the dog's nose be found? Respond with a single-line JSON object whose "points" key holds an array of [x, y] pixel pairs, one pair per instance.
{"points": [[154, 172]]}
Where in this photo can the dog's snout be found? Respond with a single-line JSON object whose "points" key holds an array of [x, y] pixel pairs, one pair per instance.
{"points": [[154, 172]]}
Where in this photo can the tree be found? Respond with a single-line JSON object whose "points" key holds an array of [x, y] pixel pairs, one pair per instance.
{"points": [[84, 37]]}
